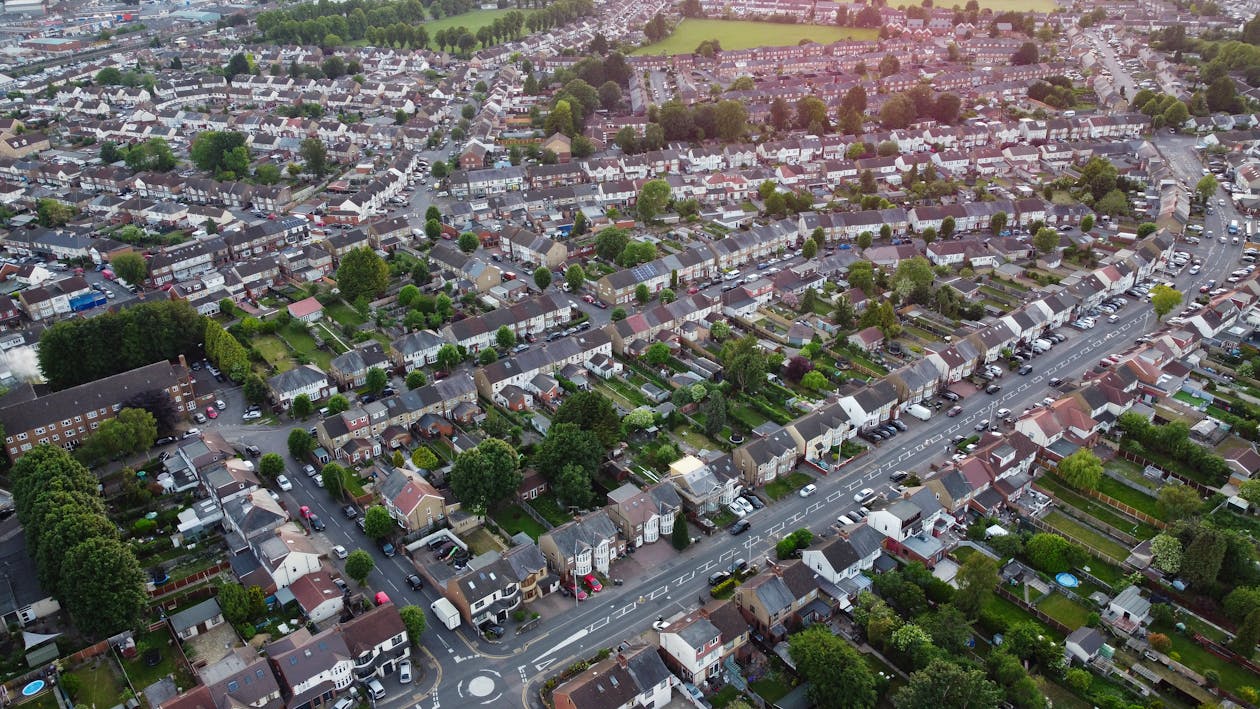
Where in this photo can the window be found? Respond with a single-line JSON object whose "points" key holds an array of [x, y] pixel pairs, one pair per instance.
{"points": [[21, 436], [67, 423], [78, 419], [115, 408], [26, 447], [56, 438], [91, 415], [39, 431]]}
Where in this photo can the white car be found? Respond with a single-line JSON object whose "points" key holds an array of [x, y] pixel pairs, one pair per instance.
{"points": [[863, 494], [194, 431], [283, 482], [309, 470], [251, 416], [340, 552], [404, 672], [808, 490], [736, 508]]}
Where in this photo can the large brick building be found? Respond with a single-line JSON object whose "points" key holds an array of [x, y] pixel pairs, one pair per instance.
{"points": [[66, 417]]}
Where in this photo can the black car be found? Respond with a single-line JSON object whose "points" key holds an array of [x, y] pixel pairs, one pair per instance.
{"points": [[950, 396], [899, 476], [739, 527], [993, 389], [1025, 369], [317, 524], [350, 511], [490, 629], [415, 582], [718, 577], [1055, 382], [253, 451], [899, 425]]}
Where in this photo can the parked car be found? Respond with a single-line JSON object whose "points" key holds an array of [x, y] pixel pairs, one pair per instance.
{"points": [[593, 583], [718, 577], [340, 552], [753, 500], [415, 582], [317, 524], [739, 527], [283, 482], [1025, 369], [993, 389], [404, 671], [808, 490], [954, 411], [864, 494]]}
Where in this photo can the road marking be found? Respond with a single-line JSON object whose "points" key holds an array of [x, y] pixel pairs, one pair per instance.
{"points": [[664, 589], [834, 496], [625, 610], [727, 555], [685, 578], [776, 528], [814, 507], [558, 646], [599, 623]]}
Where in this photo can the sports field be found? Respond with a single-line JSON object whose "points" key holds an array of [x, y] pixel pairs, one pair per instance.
{"points": [[741, 34], [473, 21]]}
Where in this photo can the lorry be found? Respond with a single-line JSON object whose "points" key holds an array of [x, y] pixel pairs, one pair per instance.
{"points": [[919, 411], [446, 613], [1233, 226]]}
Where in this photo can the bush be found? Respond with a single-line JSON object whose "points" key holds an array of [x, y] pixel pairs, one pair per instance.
{"points": [[724, 588], [143, 527], [1160, 642]]}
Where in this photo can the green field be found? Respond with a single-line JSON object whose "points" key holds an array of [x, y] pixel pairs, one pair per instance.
{"points": [[1017, 5], [741, 34]]}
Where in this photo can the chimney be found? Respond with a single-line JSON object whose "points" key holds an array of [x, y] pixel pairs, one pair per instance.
{"points": [[621, 659], [183, 362]]}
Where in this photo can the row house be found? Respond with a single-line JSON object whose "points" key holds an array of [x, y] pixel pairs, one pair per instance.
{"points": [[844, 561], [270, 235], [996, 473], [349, 370], [524, 246], [256, 275], [46, 302], [358, 432], [915, 382], [410, 499], [58, 245], [518, 371], [305, 264], [822, 430], [528, 317], [306, 380], [871, 404], [635, 677], [634, 333], [781, 600], [416, 349]]}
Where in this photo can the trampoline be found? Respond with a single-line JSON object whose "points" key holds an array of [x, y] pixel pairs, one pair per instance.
{"points": [[1067, 580]]}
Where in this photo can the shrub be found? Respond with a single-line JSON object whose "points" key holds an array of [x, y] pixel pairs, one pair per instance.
{"points": [[143, 527], [724, 588], [1160, 642]]}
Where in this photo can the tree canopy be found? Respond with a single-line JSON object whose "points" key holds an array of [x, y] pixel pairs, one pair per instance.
{"points": [[362, 273], [486, 475]]}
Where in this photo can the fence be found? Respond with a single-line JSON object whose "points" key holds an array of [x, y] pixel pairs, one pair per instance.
{"points": [[89, 652], [1001, 590], [1094, 551], [189, 580], [1088, 519], [1137, 514], [1134, 458]]}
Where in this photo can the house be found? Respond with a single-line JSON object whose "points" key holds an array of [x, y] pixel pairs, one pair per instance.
{"points": [[349, 370], [763, 460], [191, 622], [254, 516], [692, 650], [867, 339], [1083, 645], [485, 593], [842, 561], [241, 679], [524, 246], [306, 310], [779, 600], [306, 379], [416, 349], [634, 678], [530, 570], [287, 555], [377, 641], [911, 524], [588, 543], [410, 499], [646, 515], [704, 487], [311, 669], [871, 404], [319, 598]]}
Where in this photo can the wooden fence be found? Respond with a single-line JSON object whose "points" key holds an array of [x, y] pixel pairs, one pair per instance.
{"points": [[1086, 518], [1004, 593], [1136, 514], [1134, 458], [1045, 527], [189, 580]]}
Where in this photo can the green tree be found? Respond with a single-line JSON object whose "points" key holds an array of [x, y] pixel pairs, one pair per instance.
{"points": [[1087, 223], [376, 380], [610, 243], [337, 403], [944, 684], [413, 619], [271, 465], [377, 523], [54, 213], [1201, 564], [864, 240], [213, 151], [485, 475], [487, 356], [997, 223], [642, 294], [267, 174], [591, 411], [448, 356], [1082, 470], [1167, 552], [315, 155], [302, 406], [575, 277], [504, 337], [359, 565], [746, 364], [680, 537], [131, 267], [713, 408], [1164, 299], [468, 242], [1046, 240], [1178, 502], [102, 586], [542, 277], [424, 458], [572, 484], [333, 479], [837, 674], [1206, 187], [362, 273], [976, 579], [301, 444], [652, 199]]}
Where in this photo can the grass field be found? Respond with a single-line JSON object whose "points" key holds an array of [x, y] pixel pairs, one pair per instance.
{"points": [[1018, 5], [274, 351], [472, 21], [739, 34], [98, 687], [513, 520], [1098, 540], [782, 487], [1064, 610]]}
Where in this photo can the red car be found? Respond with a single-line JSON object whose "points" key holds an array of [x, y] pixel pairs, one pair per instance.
{"points": [[211, 413], [593, 583], [692, 290], [577, 591], [305, 512]]}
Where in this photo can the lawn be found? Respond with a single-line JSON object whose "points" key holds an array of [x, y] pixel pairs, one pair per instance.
{"points": [[344, 314], [1008, 612], [550, 510], [1129, 470], [746, 35], [1200, 660], [1084, 533], [782, 487], [302, 341], [472, 21], [274, 351], [138, 671], [1095, 509], [771, 689], [98, 686], [1064, 610], [750, 417], [695, 439], [1133, 498], [999, 6], [514, 520]]}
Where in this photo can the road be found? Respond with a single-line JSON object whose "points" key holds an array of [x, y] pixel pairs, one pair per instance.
{"points": [[462, 669]]}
